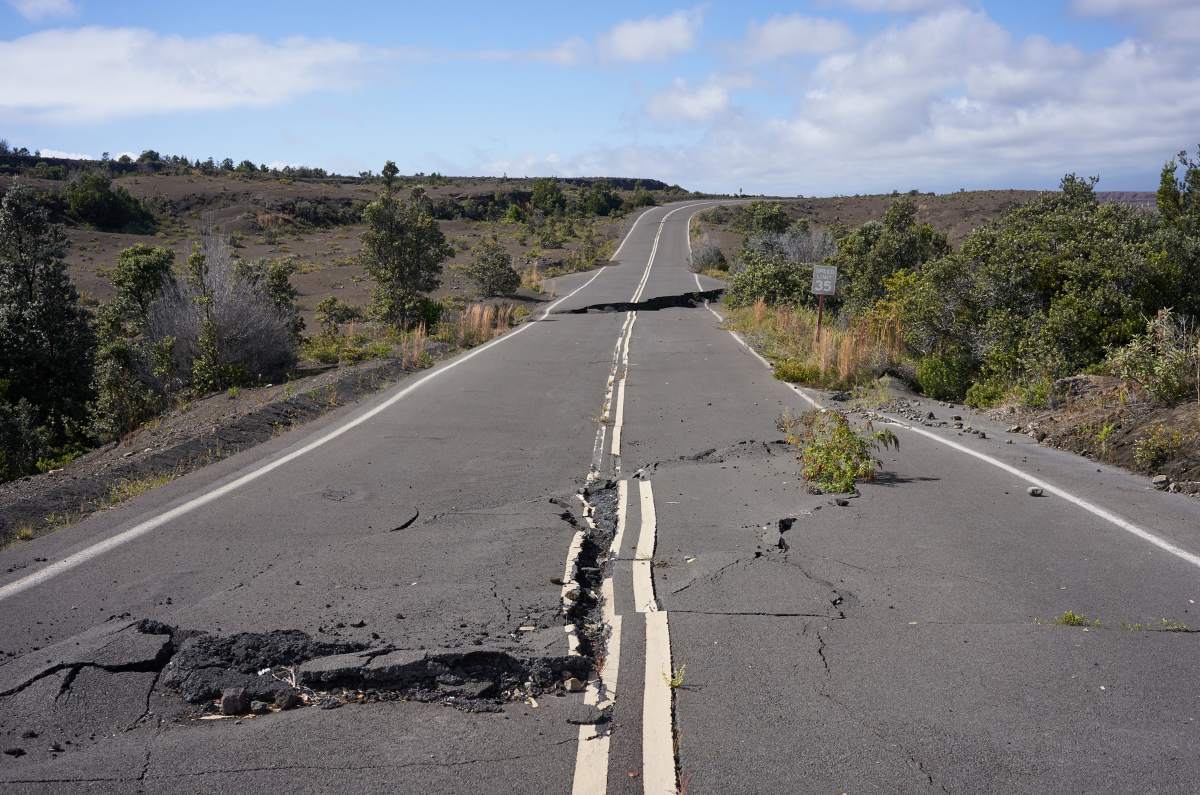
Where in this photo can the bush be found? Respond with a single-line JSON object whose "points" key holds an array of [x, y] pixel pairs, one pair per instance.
{"points": [[492, 269], [832, 454], [766, 217], [1162, 361], [773, 279], [332, 312], [1156, 447], [944, 376], [985, 394], [1043, 292], [218, 329], [798, 243], [92, 199], [794, 372], [708, 257], [22, 441]]}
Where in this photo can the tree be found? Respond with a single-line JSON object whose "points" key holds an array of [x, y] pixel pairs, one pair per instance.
{"points": [[492, 269], [140, 273], [877, 249], [600, 199], [46, 344], [389, 175], [767, 217], [403, 251], [548, 196]]}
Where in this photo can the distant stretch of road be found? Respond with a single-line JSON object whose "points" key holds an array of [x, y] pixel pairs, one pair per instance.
{"points": [[737, 633]]}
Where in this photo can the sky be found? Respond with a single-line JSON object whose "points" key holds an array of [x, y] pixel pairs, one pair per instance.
{"points": [[825, 97]]}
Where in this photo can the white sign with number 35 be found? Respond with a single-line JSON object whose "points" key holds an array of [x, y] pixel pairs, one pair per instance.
{"points": [[824, 280]]}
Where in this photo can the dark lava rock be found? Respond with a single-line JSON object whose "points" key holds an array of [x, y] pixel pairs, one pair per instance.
{"points": [[260, 707], [287, 699], [235, 701], [206, 665]]}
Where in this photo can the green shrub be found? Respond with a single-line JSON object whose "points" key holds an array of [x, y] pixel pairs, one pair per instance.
{"points": [[1162, 360], [93, 199], [985, 394], [492, 269], [772, 279], [22, 441], [796, 373], [944, 376], [832, 454], [1157, 447], [332, 312]]}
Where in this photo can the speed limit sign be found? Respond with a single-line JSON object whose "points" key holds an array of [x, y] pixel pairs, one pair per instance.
{"points": [[824, 281]]}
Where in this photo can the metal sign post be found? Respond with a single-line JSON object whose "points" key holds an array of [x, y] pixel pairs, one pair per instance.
{"points": [[824, 282]]}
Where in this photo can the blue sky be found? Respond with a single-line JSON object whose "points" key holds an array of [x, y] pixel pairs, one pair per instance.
{"points": [[815, 98]]}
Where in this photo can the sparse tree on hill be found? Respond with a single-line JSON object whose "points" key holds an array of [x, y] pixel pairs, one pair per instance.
{"points": [[492, 269], [403, 251]]}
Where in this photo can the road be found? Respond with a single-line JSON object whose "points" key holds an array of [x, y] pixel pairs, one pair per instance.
{"points": [[736, 633]]}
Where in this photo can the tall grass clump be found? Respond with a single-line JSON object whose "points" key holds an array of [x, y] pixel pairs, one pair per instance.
{"points": [[849, 350]]}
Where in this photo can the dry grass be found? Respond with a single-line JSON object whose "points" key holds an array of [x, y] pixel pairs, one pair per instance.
{"points": [[847, 352], [476, 324], [531, 278], [128, 488], [411, 348]]}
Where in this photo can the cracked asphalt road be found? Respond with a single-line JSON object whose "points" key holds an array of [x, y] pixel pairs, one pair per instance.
{"points": [[900, 643]]}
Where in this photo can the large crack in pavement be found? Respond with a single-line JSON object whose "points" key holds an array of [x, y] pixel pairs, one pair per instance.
{"points": [[187, 674], [682, 301]]}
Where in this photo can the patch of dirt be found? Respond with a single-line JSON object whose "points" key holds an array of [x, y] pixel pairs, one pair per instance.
{"points": [[1104, 419], [185, 439]]}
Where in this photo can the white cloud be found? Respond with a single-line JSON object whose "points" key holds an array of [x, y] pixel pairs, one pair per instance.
{"points": [[940, 101], [683, 103], [66, 155], [1169, 20], [652, 38], [794, 34], [96, 73], [37, 10]]}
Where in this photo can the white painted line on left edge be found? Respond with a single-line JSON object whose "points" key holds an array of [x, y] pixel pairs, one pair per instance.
{"points": [[643, 563], [95, 550]]}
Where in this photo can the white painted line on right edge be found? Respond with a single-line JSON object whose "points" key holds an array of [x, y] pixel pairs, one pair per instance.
{"points": [[658, 733], [1049, 488]]}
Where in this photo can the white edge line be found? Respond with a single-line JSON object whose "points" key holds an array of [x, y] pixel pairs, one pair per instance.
{"points": [[1050, 488]]}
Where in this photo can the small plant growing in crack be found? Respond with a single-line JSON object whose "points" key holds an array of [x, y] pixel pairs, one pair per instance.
{"points": [[833, 455], [1072, 619], [1163, 625], [676, 678]]}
